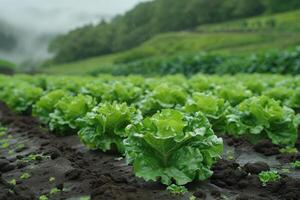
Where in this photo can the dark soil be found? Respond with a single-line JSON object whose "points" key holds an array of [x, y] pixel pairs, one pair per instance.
{"points": [[77, 172]]}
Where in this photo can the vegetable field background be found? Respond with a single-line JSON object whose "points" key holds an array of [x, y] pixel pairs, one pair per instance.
{"points": [[161, 99]]}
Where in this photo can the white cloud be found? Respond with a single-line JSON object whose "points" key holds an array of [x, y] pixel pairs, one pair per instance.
{"points": [[58, 15]]}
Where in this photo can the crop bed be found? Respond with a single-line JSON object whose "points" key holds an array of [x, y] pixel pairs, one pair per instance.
{"points": [[81, 173], [130, 137]]}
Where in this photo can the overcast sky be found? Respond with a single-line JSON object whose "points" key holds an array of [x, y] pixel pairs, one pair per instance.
{"points": [[36, 20], [60, 15]]}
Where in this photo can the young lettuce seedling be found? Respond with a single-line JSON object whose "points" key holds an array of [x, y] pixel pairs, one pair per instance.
{"points": [[268, 176], [25, 176], [43, 197], [296, 164], [176, 189]]}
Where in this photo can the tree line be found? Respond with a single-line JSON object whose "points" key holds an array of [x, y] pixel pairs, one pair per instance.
{"points": [[153, 17]]}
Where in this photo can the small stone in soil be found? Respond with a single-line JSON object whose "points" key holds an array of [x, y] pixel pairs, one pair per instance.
{"points": [[73, 174], [7, 168], [3, 162], [54, 155], [256, 168]]}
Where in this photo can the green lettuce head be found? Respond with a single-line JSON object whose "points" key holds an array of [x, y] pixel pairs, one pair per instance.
{"points": [[46, 104], [214, 108], [162, 97], [68, 111], [263, 117], [173, 146], [104, 127]]}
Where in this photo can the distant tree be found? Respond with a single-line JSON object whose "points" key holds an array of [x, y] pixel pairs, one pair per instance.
{"points": [[153, 17]]}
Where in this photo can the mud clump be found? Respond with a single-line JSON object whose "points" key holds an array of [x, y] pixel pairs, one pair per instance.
{"points": [[267, 148], [256, 168]]}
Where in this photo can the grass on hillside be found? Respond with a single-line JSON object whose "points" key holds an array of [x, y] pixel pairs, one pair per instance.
{"points": [[284, 35], [7, 64], [283, 22]]}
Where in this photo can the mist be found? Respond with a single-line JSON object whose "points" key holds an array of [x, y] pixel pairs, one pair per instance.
{"points": [[33, 23]]}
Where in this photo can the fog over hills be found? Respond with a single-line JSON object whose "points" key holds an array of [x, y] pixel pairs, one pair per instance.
{"points": [[34, 22]]}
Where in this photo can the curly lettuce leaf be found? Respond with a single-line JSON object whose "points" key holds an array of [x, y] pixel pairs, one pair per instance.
{"points": [[171, 146], [68, 110], [104, 126], [46, 104], [214, 109], [234, 94], [122, 92], [162, 97], [20, 96], [263, 117]]}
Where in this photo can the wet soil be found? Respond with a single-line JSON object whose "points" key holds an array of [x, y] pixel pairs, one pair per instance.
{"points": [[62, 168]]}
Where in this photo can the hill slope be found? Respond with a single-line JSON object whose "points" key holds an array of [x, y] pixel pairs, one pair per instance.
{"points": [[224, 38]]}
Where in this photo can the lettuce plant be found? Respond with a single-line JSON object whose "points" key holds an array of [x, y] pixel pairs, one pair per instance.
{"points": [[296, 164], [104, 127], [122, 92], [67, 112], [47, 103], [173, 146], [263, 117], [162, 97], [266, 177], [235, 94], [96, 89], [20, 96], [214, 109]]}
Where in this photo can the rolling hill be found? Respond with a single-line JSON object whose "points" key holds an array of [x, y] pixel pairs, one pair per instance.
{"points": [[257, 34]]}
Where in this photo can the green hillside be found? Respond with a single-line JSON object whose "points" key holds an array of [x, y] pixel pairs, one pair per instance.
{"points": [[284, 22], [4, 63], [224, 38], [6, 67]]}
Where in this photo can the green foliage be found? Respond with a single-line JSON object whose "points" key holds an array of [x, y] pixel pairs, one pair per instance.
{"points": [[20, 96], [122, 92], [172, 145], [214, 109], [296, 164], [176, 189], [163, 125], [4, 63], [13, 182], [47, 103], [67, 112], [233, 93], [43, 197], [3, 130], [162, 96], [25, 176], [289, 150], [150, 18], [54, 191], [281, 62], [104, 127], [268, 176], [259, 117]]}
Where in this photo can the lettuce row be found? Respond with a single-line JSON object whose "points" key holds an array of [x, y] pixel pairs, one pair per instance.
{"points": [[263, 117], [172, 145], [104, 127]]}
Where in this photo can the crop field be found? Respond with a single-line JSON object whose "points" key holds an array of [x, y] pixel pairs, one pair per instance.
{"points": [[170, 137]]}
